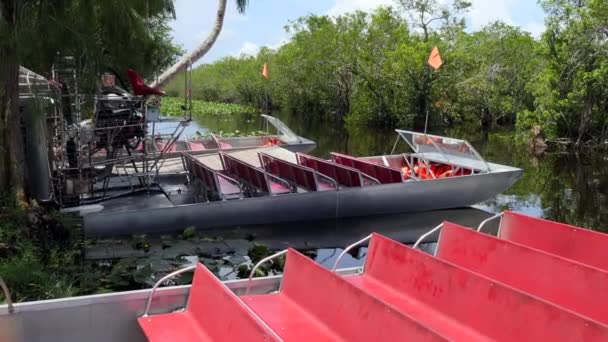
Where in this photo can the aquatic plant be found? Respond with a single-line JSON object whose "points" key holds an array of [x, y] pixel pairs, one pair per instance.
{"points": [[173, 106]]}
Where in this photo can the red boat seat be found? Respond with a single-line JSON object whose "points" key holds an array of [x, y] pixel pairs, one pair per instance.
{"points": [[224, 146], [384, 174], [453, 300], [162, 145], [194, 145], [140, 88], [254, 176], [579, 244], [213, 313], [315, 304], [304, 177], [567, 283], [214, 181], [345, 176]]}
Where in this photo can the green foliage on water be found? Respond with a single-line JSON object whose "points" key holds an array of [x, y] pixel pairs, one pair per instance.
{"points": [[370, 69], [173, 106]]}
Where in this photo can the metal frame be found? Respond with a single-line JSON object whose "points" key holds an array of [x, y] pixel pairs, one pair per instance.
{"points": [[484, 222], [348, 249], [7, 296], [160, 282], [427, 234], [260, 263], [414, 146]]}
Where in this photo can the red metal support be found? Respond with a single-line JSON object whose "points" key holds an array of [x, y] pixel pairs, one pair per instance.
{"points": [[316, 304], [567, 283], [213, 313], [567, 241], [416, 281]]}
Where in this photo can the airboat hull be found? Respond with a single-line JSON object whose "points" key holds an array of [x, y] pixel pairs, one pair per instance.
{"points": [[105, 317], [406, 197]]}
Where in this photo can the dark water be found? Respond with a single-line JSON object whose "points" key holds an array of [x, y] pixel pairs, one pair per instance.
{"points": [[567, 188], [564, 187]]}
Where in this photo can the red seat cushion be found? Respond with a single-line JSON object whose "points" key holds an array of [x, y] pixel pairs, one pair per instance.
{"points": [[325, 187], [183, 328], [278, 188], [196, 146], [227, 187], [140, 88]]}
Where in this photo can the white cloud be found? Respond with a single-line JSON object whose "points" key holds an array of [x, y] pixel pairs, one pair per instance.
{"points": [[535, 28], [510, 12], [280, 43], [344, 6], [248, 49], [481, 14]]}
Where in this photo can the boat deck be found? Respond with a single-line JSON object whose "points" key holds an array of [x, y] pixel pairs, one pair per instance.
{"points": [[476, 287]]}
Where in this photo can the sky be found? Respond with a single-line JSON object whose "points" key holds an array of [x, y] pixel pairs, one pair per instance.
{"points": [[264, 22]]}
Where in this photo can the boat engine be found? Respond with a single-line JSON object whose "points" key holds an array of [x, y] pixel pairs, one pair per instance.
{"points": [[118, 119]]}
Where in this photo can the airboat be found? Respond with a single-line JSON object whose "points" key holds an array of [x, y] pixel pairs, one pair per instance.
{"points": [[400, 293], [273, 185], [123, 148], [126, 173]]}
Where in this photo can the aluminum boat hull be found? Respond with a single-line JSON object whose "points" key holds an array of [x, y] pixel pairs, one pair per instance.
{"points": [[447, 193]]}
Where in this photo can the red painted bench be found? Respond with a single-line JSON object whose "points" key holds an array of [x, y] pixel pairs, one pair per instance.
{"points": [[579, 244], [254, 176], [303, 177], [567, 283], [384, 174], [213, 313], [163, 146], [345, 176], [315, 304], [196, 145], [455, 301], [214, 181]]}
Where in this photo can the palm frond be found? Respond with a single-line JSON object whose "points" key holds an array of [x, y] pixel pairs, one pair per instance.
{"points": [[241, 5]]}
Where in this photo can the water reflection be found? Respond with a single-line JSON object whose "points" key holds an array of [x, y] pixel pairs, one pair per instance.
{"points": [[569, 188]]}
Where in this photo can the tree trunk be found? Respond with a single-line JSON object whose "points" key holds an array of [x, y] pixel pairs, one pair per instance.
{"points": [[11, 156], [199, 52]]}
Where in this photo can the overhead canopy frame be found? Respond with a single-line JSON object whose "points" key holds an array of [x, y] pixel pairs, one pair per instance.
{"points": [[445, 149]]}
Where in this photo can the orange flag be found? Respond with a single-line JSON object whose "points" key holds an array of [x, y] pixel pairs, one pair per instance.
{"points": [[265, 71], [435, 59]]}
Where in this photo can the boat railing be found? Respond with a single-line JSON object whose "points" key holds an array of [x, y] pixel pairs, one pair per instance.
{"points": [[258, 265], [348, 249], [160, 282], [7, 296], [486, 221], [426, 235]]}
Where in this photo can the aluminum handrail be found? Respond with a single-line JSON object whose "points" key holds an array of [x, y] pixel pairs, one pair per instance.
{"points": [[369, 178], [484, 222], [260, 263], [347, 249], [329, 179], [7, 295], [162, 280], [427, 234]]}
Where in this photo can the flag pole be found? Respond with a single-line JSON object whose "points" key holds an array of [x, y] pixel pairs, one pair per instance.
{"points": [[434, 63], [265, 75]]}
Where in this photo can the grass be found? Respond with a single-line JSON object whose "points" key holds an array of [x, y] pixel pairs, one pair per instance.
{"points": [[172, 106]]}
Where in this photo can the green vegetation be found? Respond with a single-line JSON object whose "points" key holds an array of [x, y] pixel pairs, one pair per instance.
{"points": [[110, 35], [370, 69], [40, 254], [173, 106]]}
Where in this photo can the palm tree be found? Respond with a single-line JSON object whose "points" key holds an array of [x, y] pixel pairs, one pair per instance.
{"points": [[204, 47]]}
